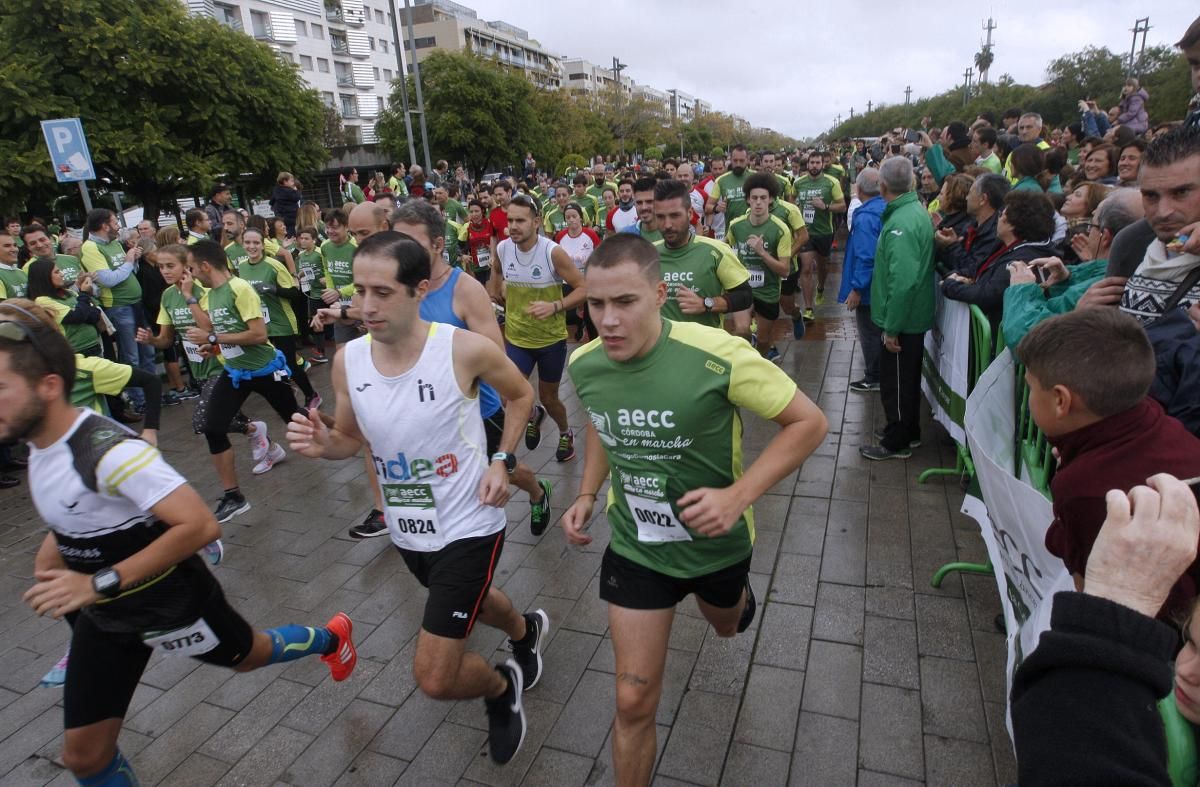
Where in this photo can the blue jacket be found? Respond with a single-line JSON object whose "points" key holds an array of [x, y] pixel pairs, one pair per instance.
{"points": [[859, 262]]}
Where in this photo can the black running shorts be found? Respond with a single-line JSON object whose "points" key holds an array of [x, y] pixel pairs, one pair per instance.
{"points": [[633, 586], [458, 577], [104, 668]]}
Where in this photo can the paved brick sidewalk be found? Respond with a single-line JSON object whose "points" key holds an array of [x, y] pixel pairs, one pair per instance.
{"points": [[856, 670]]}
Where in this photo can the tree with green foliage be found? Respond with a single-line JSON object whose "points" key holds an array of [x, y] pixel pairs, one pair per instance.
{"points": [[168, 101], [1094, 72], [476, 111]]}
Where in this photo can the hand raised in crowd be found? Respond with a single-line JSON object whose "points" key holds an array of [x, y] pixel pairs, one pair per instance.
{"points": [[946, 237], [1054, 269], [1106, 292], [1020, 273], [1082, 247], [1148, 540]]}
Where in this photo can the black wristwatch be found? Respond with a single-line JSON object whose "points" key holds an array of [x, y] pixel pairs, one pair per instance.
{"points": [[344, 308], [709, 304], [190, 300], [212, 338], [107, 582], [509, 460]]}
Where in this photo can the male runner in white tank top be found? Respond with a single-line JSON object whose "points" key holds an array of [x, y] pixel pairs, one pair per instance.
{"points": [[409, 390]]}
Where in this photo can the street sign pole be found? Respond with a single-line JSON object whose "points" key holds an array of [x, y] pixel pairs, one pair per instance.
{"points": [[87, 198]]}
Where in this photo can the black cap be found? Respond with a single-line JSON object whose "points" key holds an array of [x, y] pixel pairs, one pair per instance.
{"points": [[217, 189]]}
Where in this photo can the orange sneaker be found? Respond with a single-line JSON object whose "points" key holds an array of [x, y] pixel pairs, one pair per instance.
{"points": [[341, 662]]}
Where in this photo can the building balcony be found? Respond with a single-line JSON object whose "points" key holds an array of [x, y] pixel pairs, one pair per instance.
{"points": [[333, 13], [339, 47]]}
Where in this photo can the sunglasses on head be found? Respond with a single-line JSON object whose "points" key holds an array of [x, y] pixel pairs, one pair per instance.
{"points": [[18, 331]]}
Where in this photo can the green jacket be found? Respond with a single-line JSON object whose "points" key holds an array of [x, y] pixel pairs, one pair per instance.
{"points": [[902, 289], [1025, 305]]}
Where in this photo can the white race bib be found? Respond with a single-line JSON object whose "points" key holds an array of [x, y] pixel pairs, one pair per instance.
{"points": [[758, 277], [306, 279], [656, 522], [194, 640], [231, 350], [810, 214], [483, 257], [266, 314], [192, 351], [412, 516]]}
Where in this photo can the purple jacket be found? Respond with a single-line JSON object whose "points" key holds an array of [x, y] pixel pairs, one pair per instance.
{"points": [[1133, 111]]}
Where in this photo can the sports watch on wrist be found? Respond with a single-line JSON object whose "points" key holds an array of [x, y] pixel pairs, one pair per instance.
{"points": [[709, 303], [212, 338], [509, 460], [190, 300], [344, 316], [106, 582]]}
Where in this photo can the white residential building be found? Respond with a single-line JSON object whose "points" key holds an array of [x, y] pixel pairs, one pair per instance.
{"points": [[344, 49], [583, 76], [683, 105]]}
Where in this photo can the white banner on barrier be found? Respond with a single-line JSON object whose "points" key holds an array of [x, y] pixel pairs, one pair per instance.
{"points": [[944, 368], [1016, 516]]}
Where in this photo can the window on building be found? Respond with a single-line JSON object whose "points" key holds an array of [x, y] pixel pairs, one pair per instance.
{"points": [[260, 24], [378, 16], [387, 74], [344, 75], [286, 57], [228, 16], [354, 134], [306, 63], [349, 106], [425, 43], [579, 75], [371, 43], [318, 32], [301, 29], [322, 65], [383, 46], [376, 70], [328, 99]]}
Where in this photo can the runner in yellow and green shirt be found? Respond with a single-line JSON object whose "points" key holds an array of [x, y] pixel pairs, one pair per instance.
{"points": [[763, 243]]}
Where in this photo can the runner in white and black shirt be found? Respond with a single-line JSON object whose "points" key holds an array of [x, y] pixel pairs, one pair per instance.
{"points": [[120, 558]]}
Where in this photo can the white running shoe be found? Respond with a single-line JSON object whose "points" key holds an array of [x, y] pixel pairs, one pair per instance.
{"points": [[259, 443], [273, 457], [213, 552]]}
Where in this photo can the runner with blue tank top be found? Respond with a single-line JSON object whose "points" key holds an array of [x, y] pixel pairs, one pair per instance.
{"points": [[463, 302]]}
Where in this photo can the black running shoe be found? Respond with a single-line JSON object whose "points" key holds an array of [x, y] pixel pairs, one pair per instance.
{"points": [[506, 716], [533, 430], [374, 525], [230, 506], [539, 512], [566, 446], [748, 611], [528, 652]]}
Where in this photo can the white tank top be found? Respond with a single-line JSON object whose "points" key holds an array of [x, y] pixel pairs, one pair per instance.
{"points": [[427, 444]]}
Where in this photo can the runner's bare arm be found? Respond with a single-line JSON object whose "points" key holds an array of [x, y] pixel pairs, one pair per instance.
{"points": [[472, 304], [190, 525], [595, 470], [714, 511], [566, 270], [478, 358], [308, 434]]}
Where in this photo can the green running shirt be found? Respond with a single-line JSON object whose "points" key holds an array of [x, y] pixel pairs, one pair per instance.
{"points": [[808, 188], [704, 265], [669, 423], [777, 241]]}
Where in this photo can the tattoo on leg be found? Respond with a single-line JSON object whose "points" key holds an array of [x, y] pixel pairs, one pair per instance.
{"points": [[633, 680]]}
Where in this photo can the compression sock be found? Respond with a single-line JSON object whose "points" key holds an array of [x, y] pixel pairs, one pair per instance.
{"points": [[235, 492], [291, 642], [118, 773]]}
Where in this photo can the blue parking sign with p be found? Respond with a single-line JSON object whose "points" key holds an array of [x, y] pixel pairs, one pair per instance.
{"points": [[68, 150]]}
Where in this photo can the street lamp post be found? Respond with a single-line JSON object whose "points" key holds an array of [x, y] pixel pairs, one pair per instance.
{"points": [[412, 41], [398, 45]]}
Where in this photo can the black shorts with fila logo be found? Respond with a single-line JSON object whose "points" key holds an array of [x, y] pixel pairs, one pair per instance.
{"points": [[458, 577]]}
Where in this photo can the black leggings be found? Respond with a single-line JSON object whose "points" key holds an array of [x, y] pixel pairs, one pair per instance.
{"points": [[287, 346], [225, 402], [240, 423]]}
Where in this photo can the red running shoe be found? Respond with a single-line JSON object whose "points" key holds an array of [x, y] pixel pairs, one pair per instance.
{"points": [[341, 662]]}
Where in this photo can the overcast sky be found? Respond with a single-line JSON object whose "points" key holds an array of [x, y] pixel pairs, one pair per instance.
{"points": [[830, 57]]}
